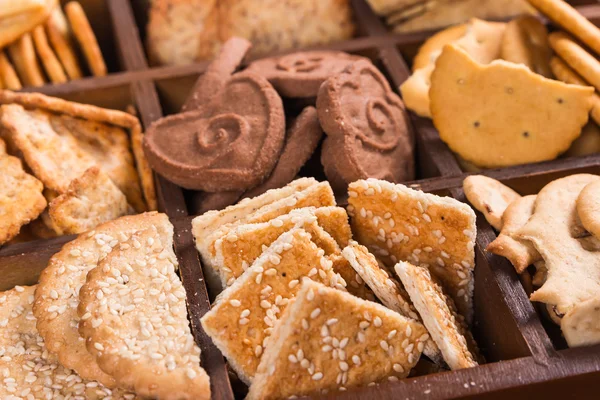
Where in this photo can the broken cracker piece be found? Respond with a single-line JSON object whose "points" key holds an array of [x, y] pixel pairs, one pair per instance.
{"points": [[490, 197], [447, 328], [581, 325], [397, 223], [328, 341]]}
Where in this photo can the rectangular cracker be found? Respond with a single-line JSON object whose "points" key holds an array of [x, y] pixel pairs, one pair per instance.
{"points": [[397, 223], [447, 328], [243, 316], [329, 341], [91, 199]]}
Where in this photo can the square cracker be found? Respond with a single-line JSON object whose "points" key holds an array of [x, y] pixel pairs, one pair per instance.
{"points": [[398, 223], [447, 328], [250, 308], [21, 199], [33, 101], [328, 340], [90, 200]]}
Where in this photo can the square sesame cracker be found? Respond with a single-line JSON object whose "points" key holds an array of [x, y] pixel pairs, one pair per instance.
{"points": [[328, 341], [397, 223], [447, 328], [244, 315]]}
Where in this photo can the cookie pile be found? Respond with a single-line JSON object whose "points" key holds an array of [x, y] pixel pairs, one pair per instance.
{"points": [[48, 38], [230, 139], [557, 232], [107, 319], [300, 312], [67, 167]]}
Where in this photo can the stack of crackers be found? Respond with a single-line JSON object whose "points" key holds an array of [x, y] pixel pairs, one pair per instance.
{"points": [[308, 310], [67, 167], [556, 231], [49, 50], [107, 320]]}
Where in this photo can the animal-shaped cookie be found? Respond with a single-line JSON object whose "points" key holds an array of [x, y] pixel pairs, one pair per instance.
{"points": [[368, 134], [230, 143]]}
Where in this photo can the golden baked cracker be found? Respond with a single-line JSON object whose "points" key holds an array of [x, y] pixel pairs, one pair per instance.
{"points": [[446, 327], [525, 42], [471, 104], [9, 76], [573, 271], [432, 47], [581, 325], [20, 17], [386, 288], [144, 171], [355, 285], [85, 37], [576, 57], [57, 295], [588, 208], [521, 253], [397, 223], [489, 196], [415, 91], [587, 143], [29, 371], [46, 54], [21, 199], [328, 341], [23, 56], [59, 35], [563, 14], [147, 345], [91, 199], [240, 312], [564, 73]]}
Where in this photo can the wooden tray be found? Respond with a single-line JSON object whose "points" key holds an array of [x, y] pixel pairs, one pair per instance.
{"points": [[526, 355]]}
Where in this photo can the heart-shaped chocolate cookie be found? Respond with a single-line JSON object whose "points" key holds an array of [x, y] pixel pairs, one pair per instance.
{"points": [[230, 143]]}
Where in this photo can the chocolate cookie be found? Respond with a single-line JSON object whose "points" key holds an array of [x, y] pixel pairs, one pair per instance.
{"points": [[231, 143], [368, 133], [217, 73], [301, 74]]}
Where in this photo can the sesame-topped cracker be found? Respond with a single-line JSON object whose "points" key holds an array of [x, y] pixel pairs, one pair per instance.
{"points": [[134, 319], [354, 283], [21, 199], [397, 223], [243, 244], [57, 294], [243, 316], [447, 328], [387, 289], [91, 199], [27, 369], [328, 340], [490, 197]]}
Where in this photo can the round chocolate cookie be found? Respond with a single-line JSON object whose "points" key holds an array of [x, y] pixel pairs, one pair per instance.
{"points": [[300, 74], [231, 143], [367, 127]]}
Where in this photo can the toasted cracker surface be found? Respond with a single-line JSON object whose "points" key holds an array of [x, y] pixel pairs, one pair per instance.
{"points": [[84, 34], [581, 325], [328, 341], [489, 196], [447, 328], [397, 223]]}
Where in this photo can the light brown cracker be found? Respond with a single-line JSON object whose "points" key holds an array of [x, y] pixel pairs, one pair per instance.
{"points": [[397, 223], [48, 58], [432, 47], [21, 16], [59, 35], [581, 325], [8, 74], [328, 340], [574, 55], [23, 56], [490, 197], [525, 42], [588, 208], [85, 36]]}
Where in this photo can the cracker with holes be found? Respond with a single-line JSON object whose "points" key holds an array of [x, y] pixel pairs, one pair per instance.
{"points": [[521, 253], [490, 197], [251, 307], [91, 199], [581, 325], [146, 345], [397, 223], [328, 341], [447, 328], [471, 102], [386, 288], [573, 267], [29, 371], [57, 294], [21, 199], [525, 41], [588, 208]]}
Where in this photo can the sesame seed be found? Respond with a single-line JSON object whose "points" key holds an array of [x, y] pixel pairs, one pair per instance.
{"points": [[343, 366], [315, 313], [244, 313], [235, 303], [292, 358], [384, 345], [98, 346], [317, 377], [243, 321], [293, 283], [392, 334], [310, 295], [377, 322], [408, 330], [398, 368], [356, 359]]}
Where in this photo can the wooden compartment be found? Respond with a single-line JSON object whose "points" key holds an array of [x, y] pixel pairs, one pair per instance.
{"points": [[525, 358]]}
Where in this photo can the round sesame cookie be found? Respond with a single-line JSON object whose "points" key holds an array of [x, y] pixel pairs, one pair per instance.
{"points": [[134, 319], [28, 370], [57, 294]]}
